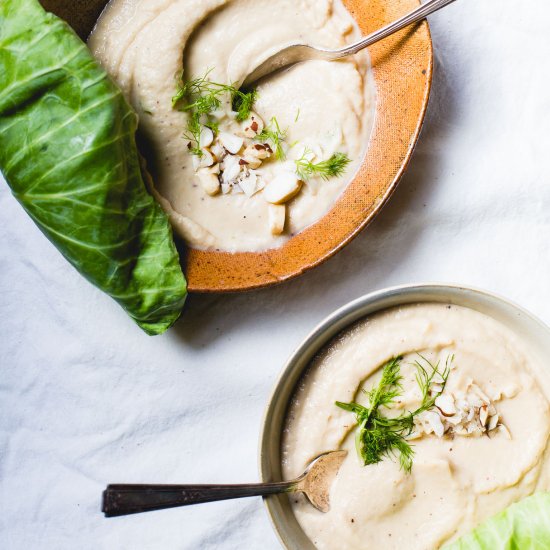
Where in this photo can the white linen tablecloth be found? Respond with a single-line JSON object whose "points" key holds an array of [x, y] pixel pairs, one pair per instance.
{"points": [[86, 398]]}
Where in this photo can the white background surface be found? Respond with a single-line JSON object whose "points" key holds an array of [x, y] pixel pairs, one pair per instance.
{"points": [[86, 398]]}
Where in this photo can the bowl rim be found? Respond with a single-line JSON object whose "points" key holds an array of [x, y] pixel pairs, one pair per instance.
{"points": [[272, 422]]}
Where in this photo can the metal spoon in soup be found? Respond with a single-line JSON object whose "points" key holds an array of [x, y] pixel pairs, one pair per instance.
{"points": [[315, 483]]}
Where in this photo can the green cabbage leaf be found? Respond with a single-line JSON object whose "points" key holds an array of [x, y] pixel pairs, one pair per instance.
{"points": [[522, 526], [68, 152]]}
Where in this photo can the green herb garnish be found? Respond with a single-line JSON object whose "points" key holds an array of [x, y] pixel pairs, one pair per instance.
{"points": [[201, 97], [378, 436], [273, 134], [243, 102], [335, 166]]}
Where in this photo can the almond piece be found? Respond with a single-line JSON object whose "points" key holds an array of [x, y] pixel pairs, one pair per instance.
{"points": [[231, 169], [207, 137], [258, 150], [455, 420], [252, 162], [252, 126], [231, 142], [206, 159], [277, 216], [218, 151], [282, 188], [446, 404], [493, 421], [483, 415], [435, 423], [209, 182], [480, 393], [249, 184]]}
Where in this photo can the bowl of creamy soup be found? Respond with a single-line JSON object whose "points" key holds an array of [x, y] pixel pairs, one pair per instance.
{"points": [[261, 185], [440, 396]]}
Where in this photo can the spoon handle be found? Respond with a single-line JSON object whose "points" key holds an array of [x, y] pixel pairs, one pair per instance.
{"points": [[414, 16], [121, 500]]}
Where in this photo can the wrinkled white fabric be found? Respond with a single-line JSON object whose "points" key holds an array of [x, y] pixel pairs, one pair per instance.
{"points": [[86, 398]]}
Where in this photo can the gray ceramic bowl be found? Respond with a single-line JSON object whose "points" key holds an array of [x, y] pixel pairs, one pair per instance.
{"points": [[533, 331]]}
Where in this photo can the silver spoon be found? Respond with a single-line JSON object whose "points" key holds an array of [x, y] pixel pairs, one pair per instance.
{"points": [[315, 483], [296, 53]]}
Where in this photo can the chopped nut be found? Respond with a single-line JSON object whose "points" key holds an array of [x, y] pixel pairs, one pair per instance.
{"points": [[218, 151], [277, 215], [483, 415], [252, 126], [493, 421], [435, 423], [474, 400], [455, 420], [210, 182], [264, 151], [215, 169], [256, 151], [249, 183], [474, 429], [282, 188], [207, 137], [471, 416], [206, 159], [252, 162], [231, 142], [480, 393], [231, 168], [445, 403], [462, 404]]}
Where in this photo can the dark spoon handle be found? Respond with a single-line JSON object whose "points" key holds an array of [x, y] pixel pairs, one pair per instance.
{"points": [[121, 500]]}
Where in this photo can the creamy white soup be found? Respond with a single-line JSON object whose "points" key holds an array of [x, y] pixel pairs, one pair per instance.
{"points": [[220, 188], [483, 447]]}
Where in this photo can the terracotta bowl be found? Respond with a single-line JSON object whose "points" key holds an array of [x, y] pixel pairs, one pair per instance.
{"points": [[402, 69]]}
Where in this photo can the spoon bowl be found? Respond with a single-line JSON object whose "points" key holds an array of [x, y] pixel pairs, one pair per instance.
{"points": [[317, 480], [296, 53]]}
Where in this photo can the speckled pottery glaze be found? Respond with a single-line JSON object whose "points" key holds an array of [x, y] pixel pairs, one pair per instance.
{"points": [[402, 71]]}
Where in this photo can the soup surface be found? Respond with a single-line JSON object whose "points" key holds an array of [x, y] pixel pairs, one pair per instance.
{"points": [[321, 112], [485, 448]]}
